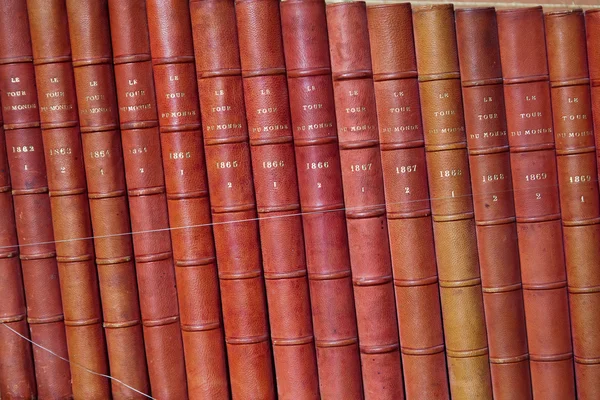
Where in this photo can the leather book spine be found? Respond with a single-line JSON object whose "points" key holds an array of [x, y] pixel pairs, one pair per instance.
{"points": [[407, 201], [187, 198], [33, 220], [103, 160], [229, 168], [489, 162], [17, 374], [362, 179], [145, 181], [578, 188], [535, 184], [277, 199], [592, 26], [312, 112], [451, 202]]}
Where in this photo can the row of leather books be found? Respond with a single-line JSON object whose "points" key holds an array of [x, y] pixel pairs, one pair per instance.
{"points": [[208, 199]]}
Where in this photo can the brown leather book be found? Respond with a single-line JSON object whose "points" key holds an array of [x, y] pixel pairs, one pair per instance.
{"points": [[592, 25], [306, 51], [578, 188], [362, 179], [187, 194], [277, 199], [229, 169], [147, 198], [17, 375], [489, 162], [534, 177], [102, 155], [407, 201], [33, 219], [451, 202]]}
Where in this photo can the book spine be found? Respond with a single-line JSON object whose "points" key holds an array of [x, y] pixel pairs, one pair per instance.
{"points": [[407, 201], [17, 374], [103, 159], [534, 177], [592, 25], [578, 188], [451, 202], [277, 199], [304, 31], [187, 194], [362, 178], [147, 198], [33, 220], [489, 161], [234, 212]]}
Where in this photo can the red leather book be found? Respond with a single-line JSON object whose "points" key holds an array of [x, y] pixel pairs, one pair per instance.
{"points": [[534, 176], [578, 188], [592, 25], [306, 49], [17, 375], [232, 199], [451, 202], [362, 179], [147, 198], [489, 161], [407, 201], [277, 199], [187, 194], [103, 159], [33, 220]]}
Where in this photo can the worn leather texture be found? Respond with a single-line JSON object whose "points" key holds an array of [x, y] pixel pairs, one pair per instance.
{"points": [[535, 183], [17, 374], [187, 194], [592, 25], [147, 198], [228, 160], [277, 199], [578, 188], [313, 124], [103, 159], [33, 220], [489, 161], [451, 202], [364, 197], [407, 201]]}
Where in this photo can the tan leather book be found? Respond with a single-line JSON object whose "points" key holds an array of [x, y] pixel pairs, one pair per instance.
{"points": [[407, 201], [454, 225], [277, 199], [306, 49], [33, 217], [578, 188], [232, 197], [489, 160], [535, 184], [17, 374]]}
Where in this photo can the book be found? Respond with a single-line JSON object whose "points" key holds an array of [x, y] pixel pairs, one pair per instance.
{"points": [[277, 200], [187, 194], [89, 32], [33, 219], [451, 202], [147, 198], [229, 169], [407, 201], [577, 186], [535, 185], [17, 374], [313, 124], [362, 179], [489, 162]]}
